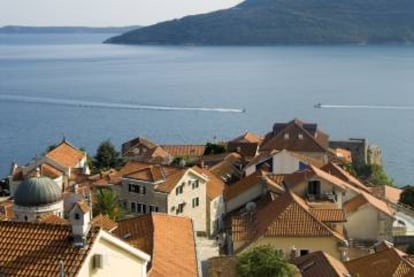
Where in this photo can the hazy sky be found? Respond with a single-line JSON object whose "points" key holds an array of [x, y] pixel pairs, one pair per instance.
{"points": [[102, 12]]}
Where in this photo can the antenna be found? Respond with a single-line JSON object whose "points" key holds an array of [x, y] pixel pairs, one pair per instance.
{"points": [[62, 267]]}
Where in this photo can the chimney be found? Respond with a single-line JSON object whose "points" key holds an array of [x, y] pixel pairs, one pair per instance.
{"points": [[80, 221], [37, 174], [293, 253]]}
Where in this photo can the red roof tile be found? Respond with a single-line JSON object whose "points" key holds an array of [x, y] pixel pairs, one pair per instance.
{"points": [[168, 239], [320, 264], [66, 155], [33, 250]]}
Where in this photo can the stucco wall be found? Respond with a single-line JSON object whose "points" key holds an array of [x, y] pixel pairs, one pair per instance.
{"points": [[151, 197], [302, 190], [284, 163], [216, 212], [197, 214], [363, 223], [243, 198], [117, 262]]}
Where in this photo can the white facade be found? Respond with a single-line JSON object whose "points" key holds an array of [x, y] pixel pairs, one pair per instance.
{"points": [[31, 214], [189, 199], [115, 258], [217, 211]]}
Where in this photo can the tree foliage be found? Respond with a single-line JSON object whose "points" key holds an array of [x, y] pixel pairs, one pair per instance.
{"points": [[374, 174], [407, 196], [264, 261], [107, 203], [214, 148], [107, 156]]}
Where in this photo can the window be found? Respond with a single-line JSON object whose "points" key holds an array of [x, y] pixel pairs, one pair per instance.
{"points": [[139, 208], [179, 190], [77, 216], [180, 208], [153, 208], [196, 184], [304, 252], [286, 136], [133, 207], [314, 187], [196, 202], [144, 208], [300, 136], [137, 188]]}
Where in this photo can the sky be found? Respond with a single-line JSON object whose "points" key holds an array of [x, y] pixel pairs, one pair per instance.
{"points": [[102, 12]]}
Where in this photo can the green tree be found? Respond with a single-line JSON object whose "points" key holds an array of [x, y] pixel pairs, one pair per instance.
{"points": [[264, 261], [407, 197], [107, 203], [214, 148], [107, 156], [374, 174]]}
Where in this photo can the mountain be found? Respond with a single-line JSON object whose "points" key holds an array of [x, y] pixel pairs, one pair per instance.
{"points": [[271, 22], [65, 30]]}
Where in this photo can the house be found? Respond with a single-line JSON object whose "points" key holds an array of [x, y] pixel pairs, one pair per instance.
{"points": [[248, 189], [40, 249], [318, 186], [168, 239], [280, 162], [215, 200], [181, 191], [386, 261], [320, 263], [247, 145], [372, 213], [229, 169], [142, 149], [290, 225], [300, 137], [63, 164], [337, 171]]}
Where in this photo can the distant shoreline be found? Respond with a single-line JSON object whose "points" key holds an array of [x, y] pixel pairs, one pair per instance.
{"points": [[15, 29]]}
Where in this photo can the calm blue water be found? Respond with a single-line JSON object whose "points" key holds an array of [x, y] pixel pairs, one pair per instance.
{"points": [[274, 84]]}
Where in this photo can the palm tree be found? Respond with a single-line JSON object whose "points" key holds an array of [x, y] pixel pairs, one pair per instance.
{"points": [[107, 203]]}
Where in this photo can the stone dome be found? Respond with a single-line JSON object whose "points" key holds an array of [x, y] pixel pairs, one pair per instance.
{"points": [[37, 191]]}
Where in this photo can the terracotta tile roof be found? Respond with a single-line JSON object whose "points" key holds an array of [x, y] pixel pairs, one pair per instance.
{"points": [[127, 146], [287, 216], [46, 170], [215, 186], [312, 139], [275, 182], [110, 177], [309, 160], [52, 219], [30, 249], [248, 137], [247, 150], [392, 194], [186, 150], [66, 155], [342, 174], [171, 181], [328, 215], [149, 174], [263, 156], [353, 204], [243, 185], [135, 166], [168, 239], [318, 264], [227, 169], [386, 263], [105, 223]]}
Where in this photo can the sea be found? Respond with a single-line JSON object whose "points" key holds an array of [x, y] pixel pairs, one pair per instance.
{"points": [[55, 86]]}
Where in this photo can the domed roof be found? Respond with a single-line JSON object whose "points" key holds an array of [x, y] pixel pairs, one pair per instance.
{"points": [[37, 191]]}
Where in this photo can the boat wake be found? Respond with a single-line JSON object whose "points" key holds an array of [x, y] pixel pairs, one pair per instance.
{"points": [[107, 105], [376, 107]]}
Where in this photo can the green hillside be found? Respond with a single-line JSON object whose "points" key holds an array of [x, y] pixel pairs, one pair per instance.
{"points": [[270, 22]]}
